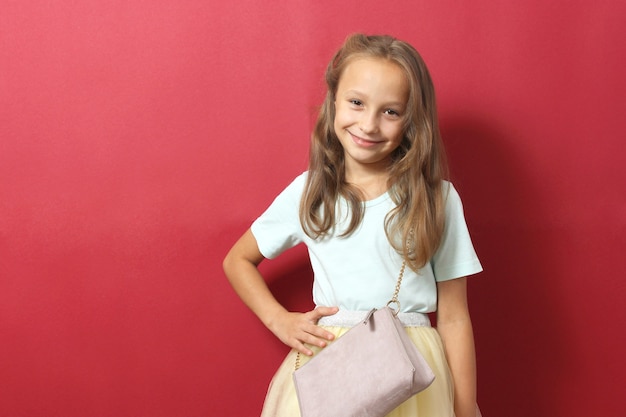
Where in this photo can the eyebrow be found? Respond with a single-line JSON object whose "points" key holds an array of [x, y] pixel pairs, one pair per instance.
{"points": [[387, 104]]}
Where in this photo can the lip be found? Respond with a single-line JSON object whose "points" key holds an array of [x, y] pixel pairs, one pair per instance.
{"points": [[365, 143]]}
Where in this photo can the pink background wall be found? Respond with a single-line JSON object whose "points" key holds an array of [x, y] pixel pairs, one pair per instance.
{"points": [[138, 139]]}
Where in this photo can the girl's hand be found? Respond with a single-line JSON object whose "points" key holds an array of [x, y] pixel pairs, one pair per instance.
{"points": [[296, 329]]}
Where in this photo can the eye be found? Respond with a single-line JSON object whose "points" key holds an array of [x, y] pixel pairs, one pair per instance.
{"points": [[356, 102], [391, 112]]}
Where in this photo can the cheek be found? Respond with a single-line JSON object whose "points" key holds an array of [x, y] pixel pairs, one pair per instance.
{"points": [[338, 113], [336, 124], [400, 136], [340, 120], [395, 133]]}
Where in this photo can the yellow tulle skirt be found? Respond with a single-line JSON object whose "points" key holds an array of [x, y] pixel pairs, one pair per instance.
{"points": [[435, 401]]}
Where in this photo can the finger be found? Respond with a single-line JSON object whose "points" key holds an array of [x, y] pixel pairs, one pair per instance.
{"points": [[311, 328], [317, 337], [301, 347], [322, 333], [324, 311]]}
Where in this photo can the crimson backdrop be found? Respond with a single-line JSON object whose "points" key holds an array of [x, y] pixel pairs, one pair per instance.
{"points": [[140, 138]]}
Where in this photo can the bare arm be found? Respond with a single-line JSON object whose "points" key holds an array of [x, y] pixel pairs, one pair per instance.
{"points": [[293, 329], [455, 327]]}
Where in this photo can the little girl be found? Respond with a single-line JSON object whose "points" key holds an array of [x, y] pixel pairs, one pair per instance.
{"points": [[374, 196]]}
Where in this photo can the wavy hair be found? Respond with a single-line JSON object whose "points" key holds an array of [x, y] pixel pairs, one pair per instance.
{"points": [[415, 226]]}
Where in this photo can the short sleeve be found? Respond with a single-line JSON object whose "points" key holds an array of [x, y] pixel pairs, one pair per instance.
{"points": [[278, 228], [456, 256]]}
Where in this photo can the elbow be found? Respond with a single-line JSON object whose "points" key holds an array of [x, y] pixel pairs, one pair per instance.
{"points": [[243, 255], [227, 264]]}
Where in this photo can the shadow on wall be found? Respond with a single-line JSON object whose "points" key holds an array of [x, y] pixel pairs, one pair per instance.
{"points": [[521, 348], [290, 279]]}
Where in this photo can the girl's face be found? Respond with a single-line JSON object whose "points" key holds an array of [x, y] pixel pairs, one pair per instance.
{"points": [[370, 102]]}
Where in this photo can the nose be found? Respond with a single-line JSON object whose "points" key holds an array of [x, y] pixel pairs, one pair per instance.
{"points": [[369, 122]]}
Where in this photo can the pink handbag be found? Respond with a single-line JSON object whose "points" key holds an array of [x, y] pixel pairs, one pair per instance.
{"points": [[370, 370]]}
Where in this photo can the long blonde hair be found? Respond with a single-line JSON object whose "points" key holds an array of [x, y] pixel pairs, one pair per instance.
{"points": [[415, 226]]}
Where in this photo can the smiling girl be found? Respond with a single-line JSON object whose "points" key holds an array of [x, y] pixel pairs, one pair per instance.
{"points": [[376, 176]]}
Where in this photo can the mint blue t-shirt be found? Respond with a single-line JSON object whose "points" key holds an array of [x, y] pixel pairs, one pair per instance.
{"points": [[359, 272]]}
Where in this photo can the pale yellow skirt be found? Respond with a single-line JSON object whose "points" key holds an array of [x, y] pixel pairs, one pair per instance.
{"points": [[435, 401]]}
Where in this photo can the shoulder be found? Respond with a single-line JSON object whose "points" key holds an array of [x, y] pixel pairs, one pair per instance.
{"points": [[450, 193], [297, 184], [452, 200], [291, 194], [448, 188], [301, 179]]}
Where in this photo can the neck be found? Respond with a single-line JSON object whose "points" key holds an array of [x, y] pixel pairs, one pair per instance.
{"points": [[371, 183]]}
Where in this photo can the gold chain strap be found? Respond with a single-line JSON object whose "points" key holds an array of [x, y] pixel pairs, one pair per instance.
{"points": [[394, 299], [297, 361]]}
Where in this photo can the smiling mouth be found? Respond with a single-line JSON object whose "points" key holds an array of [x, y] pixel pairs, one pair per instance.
{"points": [[363, 142]]}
